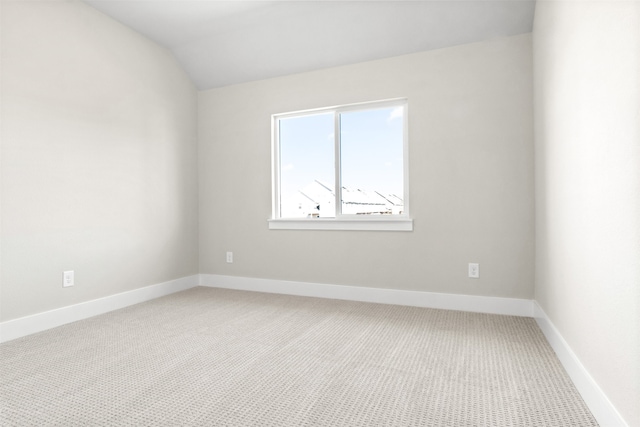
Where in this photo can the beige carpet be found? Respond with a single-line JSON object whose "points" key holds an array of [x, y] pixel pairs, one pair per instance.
{"points": [[212, 357]]}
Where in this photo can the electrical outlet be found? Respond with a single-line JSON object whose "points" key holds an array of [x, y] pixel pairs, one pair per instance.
{"points": [[230, 257], [67, 278], [474, 270]]}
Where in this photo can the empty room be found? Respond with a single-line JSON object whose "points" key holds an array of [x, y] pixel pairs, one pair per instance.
{"points": [[320, 213]]}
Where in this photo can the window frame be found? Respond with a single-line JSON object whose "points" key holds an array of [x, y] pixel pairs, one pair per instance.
{"points": [[398, 222]]}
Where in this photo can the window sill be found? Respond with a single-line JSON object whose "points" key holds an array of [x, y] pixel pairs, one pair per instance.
{"points": [[369, 224]]}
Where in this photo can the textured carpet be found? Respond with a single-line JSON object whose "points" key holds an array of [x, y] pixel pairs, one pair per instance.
{"points": [[213, 357]]}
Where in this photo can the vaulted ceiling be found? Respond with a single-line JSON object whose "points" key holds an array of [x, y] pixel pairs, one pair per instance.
{"points": [[226, 42]]}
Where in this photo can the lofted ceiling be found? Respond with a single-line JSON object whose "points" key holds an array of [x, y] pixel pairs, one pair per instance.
{"points": [[226, 42]]}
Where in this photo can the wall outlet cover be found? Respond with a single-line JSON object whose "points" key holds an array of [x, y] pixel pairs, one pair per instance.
{"points": [[67, 278], [474, 270]]}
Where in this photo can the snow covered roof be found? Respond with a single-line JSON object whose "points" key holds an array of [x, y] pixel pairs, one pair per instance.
{"points": [[354, 201]]}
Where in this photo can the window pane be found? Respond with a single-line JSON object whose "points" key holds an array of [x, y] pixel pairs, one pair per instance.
{"points": [[371, 150], [307, 166]]}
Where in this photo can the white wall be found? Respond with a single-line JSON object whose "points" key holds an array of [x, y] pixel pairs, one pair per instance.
{"points": [[98, 158], [587, 139], [471, 175]]}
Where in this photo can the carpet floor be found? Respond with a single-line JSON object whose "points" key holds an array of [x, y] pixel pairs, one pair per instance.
{"points": [[215, 357]]}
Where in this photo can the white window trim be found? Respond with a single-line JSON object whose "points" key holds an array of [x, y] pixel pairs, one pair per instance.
{"points": [[402, 222], [368, 224]]}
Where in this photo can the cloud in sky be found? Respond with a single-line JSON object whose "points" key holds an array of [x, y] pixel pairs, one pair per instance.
{"points": [[396, 113], [287, 167]]}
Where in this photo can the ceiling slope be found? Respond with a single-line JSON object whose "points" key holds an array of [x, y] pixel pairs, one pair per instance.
{"points": [[221, 43]]}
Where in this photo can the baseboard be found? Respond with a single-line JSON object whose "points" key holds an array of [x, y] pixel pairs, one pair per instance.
{"points": [[493, 305], [601, 407], [27, 325]]}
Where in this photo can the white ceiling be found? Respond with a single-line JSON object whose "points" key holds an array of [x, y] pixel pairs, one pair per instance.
{"points": [[226, 42]]}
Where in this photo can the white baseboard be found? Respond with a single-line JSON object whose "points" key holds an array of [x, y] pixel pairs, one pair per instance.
{"points": [[27, 325], [493, 305], [601, 408]]}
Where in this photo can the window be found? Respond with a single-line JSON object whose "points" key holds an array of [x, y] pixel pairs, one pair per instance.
{"points": [[341, 168]]}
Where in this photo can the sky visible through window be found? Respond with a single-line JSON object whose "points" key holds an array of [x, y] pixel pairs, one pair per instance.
{"points": [[371, 152]]}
